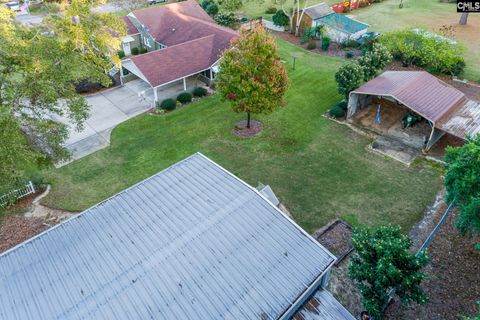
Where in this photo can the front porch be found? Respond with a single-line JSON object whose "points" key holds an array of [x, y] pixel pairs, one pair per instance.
{"points": [[170, 90]]}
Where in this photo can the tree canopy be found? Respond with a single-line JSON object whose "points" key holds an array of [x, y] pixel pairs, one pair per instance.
{"points": [[39, 68], [462, 180], [382, 262], [252, 78]]}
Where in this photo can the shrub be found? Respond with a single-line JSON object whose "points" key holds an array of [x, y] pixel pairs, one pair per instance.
{"points": [[311, 45], [184, 97], [424, 49], [199, 92], [374, 61], [206, 3], [310, 33], [212, 9], [121, 54], [337, 112], [271, 10], [326, 43], [143, 50], [348, 77], [343, 105], [280, 19], [135, 51], [244, 19], [383, 261], [168, 104], [349, 54], [227, 19], [350, 43]]}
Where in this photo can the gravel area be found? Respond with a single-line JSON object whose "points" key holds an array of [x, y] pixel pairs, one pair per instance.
{"points": [[453, 278]]}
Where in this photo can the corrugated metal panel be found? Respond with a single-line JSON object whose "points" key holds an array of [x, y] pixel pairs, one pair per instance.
{"points": [[323, 306], [464, 121], [418, 90], [191, 242], [318, 10]]}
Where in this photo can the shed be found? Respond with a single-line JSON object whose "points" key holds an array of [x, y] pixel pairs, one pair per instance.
{"points": [[191, 242], [340, 28], [446, 108]]}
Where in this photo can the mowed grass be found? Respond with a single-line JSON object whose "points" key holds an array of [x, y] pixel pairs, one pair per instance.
{"points": [[319, 169], [431, 15]]}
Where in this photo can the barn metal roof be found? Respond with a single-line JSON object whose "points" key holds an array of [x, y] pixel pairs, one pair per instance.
{"points": [[191, 242], [465, 121], [342, 23], [418, 90]]}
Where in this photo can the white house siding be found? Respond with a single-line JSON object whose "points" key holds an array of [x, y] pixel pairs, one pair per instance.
{"points": [[340, 36]]}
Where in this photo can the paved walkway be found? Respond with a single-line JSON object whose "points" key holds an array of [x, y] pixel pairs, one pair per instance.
{"points": [[108, 109]]}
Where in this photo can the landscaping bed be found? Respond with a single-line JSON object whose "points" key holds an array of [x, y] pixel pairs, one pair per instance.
{"points": [[334, 49], [15, 229]]}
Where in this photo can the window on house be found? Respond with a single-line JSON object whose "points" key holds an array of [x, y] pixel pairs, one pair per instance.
{"points": [[146, 42]]}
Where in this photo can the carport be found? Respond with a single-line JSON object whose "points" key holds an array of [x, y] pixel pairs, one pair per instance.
{"points": [[445, 109]]}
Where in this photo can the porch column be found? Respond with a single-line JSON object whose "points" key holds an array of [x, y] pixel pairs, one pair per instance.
{"points": [[121, 75], [211, 74], [184, 84], [155, 95]]}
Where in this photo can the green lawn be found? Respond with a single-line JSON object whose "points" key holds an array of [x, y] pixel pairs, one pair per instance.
{"points": [[319, 169], [431, 15]]}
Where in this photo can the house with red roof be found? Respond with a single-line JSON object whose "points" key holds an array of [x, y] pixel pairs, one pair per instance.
{"points": [[178, 43]]}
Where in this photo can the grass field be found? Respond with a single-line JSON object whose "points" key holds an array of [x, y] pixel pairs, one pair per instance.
{"points": [[386, 16], [319, 169], [431, 15]]}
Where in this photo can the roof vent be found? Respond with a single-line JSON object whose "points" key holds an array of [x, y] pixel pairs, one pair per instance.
{"points": [[173, 29]]}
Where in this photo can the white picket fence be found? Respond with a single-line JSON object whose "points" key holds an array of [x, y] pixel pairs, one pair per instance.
{"points": [[17, 194]]}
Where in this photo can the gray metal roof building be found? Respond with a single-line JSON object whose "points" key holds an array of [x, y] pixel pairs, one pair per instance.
{"points": [[191, 242]]}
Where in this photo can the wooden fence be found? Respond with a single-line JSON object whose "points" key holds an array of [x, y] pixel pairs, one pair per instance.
{"points": [[17, 194]]}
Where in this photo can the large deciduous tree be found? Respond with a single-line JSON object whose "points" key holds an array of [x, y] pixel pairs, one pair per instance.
{"points": [[39, 68], [462, 180], [382, 262], [252, 78]]}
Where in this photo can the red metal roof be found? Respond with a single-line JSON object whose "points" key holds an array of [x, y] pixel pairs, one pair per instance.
{"points": [[129, 25], [175, 62], [180, 22], [194, 42], [418, 90]]}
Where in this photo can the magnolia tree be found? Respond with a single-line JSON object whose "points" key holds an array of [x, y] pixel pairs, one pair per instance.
{"points": [[39, 68], [349, 77], [252, 78], [383, 261], [374, 61], [462, 180]]}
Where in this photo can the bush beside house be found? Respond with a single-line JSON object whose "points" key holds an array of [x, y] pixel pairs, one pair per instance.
{"points": [[168, 104], [184, 97], [199, 92]]}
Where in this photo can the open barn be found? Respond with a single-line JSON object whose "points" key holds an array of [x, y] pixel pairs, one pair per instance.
{"points": [[414, 107]]}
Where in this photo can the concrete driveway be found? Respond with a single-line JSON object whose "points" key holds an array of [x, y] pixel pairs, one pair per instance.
{"points": [[108, 109]]}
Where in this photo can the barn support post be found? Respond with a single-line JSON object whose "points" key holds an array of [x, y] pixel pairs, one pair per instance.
{"points": [[434, 137], [352, 104]]}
